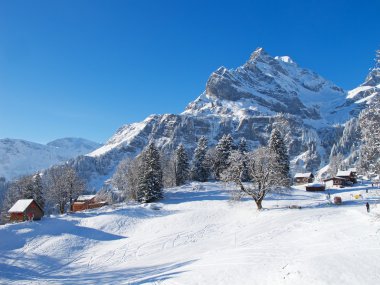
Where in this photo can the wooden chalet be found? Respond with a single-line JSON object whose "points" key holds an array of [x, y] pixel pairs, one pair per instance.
{"points": [[337, 181], [347, 174], [315, 187], [303, 178], [24, 210], [85, 202]]}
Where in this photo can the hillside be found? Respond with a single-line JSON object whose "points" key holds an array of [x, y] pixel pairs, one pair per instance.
{"points": [[196, 235], [20, 157]]}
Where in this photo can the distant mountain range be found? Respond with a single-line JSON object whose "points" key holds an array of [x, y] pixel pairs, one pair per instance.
{"points": [[20, 157]]}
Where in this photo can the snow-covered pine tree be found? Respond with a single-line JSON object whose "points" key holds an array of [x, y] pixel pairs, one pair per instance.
{"points": [[181, 165], [369, 119], [27, 185], [199, 170], [150, 175], [243, 150], [222, 152], [38, 190], [242, 147], [280, 157]]}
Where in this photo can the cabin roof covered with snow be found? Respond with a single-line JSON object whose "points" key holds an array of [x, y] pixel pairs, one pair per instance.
{"points": [[334, 178], [344, 173], [20, 206], [303, 175], [315, 185], [85, 197]]}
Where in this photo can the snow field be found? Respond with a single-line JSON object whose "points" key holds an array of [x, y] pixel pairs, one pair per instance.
{"points": [[197, 235]]}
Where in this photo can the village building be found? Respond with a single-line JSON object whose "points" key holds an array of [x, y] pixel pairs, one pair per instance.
{"points": [[336, 181], [85, 202], [349, 175], [303, 178], [315, 187], [24, 210]]}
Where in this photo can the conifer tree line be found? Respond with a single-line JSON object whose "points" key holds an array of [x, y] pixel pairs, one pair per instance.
{"points": [[142, 178]]}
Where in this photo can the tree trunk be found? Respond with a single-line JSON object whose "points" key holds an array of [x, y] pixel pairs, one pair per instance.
{"points": [[258, 204], [62, 208]]}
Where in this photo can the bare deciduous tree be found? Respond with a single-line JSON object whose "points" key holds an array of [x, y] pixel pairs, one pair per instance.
{"points": [[63, 186], [262, 175]]}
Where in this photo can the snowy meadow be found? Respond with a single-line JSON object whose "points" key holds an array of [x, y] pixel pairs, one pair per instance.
{"points": [[198, 235]]}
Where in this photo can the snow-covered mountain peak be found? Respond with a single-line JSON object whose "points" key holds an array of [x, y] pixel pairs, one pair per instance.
{"points": [[259, 53], [247, 101], [285, 58], [265, 85]]}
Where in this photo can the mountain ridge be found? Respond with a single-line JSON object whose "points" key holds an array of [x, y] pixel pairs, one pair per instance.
{"points": [[21, 157]]}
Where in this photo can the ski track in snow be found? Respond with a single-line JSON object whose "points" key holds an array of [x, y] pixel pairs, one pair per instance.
{"points": [[200, 236]]}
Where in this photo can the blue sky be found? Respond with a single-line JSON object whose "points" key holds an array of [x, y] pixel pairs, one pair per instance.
{"points": [[84, 68]]}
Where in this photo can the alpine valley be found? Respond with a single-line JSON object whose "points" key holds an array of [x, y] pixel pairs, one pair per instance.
{"points": [[249, 101]]}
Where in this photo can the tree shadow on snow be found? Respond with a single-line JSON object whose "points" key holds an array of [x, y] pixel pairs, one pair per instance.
{"points": [[191, 196], [139, 211], [135, 276], [16, 236]]}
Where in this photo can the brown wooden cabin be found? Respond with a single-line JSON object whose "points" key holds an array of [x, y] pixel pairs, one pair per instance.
{"points": [[24, 210], [303, 178], [348, 175], [337, 181], [85, 202], [315, 187]]}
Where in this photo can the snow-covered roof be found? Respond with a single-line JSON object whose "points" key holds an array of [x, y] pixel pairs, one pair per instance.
{"points": [[302, 175], [315, 185], [344, 173], [353, 169], [336, 178], [20, 206], [85, 197]]}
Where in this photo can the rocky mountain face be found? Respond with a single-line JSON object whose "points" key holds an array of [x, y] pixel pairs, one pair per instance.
{"points": [[363, 96], [20, 157], [248, 102]]}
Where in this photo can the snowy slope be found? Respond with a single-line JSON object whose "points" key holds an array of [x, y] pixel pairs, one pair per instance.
{"points": [[197, 236], [20, 157]]}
